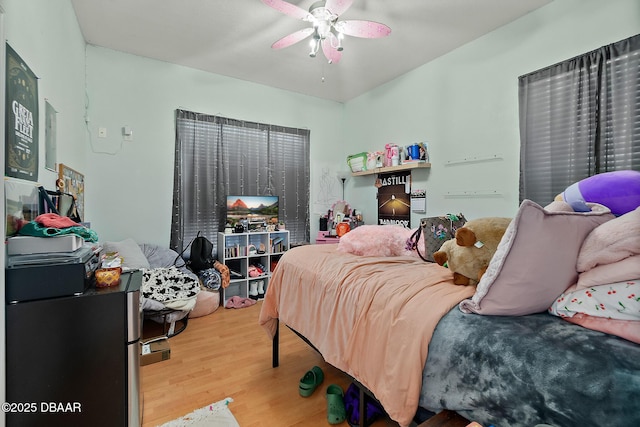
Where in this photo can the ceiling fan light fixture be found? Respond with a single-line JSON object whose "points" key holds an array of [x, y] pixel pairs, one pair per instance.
{"points": [[326, 28], [336, 42], [323, 29], [315, 47]]}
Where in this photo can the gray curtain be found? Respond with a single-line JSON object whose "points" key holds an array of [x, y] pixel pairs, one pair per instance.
{"points": [[579, 118], [216, 157]]}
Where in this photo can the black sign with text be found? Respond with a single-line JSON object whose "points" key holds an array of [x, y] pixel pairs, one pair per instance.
{"points": [[394, 198], [21, 157]]}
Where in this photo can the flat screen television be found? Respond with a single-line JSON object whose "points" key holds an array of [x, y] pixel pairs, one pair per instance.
{"points": [[251, 209]]}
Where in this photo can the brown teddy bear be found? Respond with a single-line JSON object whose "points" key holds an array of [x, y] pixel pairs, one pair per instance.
{"points": [[468, 255]]}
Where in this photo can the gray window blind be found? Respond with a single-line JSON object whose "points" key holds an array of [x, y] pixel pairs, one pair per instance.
{"points": [[579, 118], [216, 157]]}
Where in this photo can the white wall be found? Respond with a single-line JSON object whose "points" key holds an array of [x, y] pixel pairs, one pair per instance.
{"points": [[465, 104], [46, 36], [130, 184]]}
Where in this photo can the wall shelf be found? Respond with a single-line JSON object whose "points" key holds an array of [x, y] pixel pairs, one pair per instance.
{"points": [[389, 169], [472, 193], [473, 160]]}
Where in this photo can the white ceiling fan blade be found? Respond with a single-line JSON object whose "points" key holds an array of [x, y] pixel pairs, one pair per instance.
{"points": [[364, 29], [292, 38], [332, 54], [338, 7], [287, 8]]}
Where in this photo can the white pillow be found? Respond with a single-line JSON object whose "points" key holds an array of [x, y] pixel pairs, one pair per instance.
{"points": [[612, 301], [133, 257]]}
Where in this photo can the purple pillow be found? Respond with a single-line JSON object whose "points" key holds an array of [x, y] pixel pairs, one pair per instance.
{"points": [[535, 261]]}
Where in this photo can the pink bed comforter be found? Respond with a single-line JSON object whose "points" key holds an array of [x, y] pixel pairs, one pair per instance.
{"points": [[371, 317]]}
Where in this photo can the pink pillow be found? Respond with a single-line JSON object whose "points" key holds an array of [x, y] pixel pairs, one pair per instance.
{"points": [[377, 240], [627, 329], [535, 260], [626, 269], [611, 242]]}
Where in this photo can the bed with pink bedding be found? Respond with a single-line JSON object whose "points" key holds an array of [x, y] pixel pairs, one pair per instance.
{"points": [[348, 306], [400, 327]]}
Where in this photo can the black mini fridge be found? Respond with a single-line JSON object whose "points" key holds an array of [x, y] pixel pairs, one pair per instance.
{"points": [[75, 360]]}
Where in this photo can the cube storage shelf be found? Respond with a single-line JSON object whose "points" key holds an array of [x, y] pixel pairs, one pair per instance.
{"points": [[246, 252]]}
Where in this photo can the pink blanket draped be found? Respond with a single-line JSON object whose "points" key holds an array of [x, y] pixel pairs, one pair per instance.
{"points": [[371, 317]]}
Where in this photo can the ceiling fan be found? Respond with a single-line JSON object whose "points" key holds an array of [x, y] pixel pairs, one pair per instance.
{"points": [[326, 29]]}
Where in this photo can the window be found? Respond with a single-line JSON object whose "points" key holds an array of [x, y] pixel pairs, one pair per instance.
{"points": [[579, 118], [217, 156]]}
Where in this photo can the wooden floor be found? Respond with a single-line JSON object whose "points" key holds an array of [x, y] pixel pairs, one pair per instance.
{"points": [[227, 354]]}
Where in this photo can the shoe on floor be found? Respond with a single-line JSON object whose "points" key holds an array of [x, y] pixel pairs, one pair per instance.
{"points": [[311, 379], [239, 302], [336, 412]]}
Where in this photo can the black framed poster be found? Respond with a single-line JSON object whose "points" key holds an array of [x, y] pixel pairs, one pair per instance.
{"points": [[21, 157], [394, 198]]}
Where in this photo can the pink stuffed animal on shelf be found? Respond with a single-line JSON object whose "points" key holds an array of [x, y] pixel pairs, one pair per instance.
{"points": [[255, 271]]}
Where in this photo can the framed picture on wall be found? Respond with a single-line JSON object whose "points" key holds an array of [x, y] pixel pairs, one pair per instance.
{"points": [[21, 204], [72, 182], [394, 198], [50, 131]]}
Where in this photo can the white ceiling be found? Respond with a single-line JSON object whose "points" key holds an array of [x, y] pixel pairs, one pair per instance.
{"points": [[234, 37]]}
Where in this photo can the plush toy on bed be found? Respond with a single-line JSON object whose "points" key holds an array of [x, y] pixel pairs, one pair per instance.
{"points": [[379, 240], [618, 190], [468, 255]]}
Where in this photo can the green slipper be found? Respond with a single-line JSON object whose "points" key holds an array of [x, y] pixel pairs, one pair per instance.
{"points": [[310, 381], [336, 412]]}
